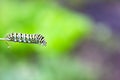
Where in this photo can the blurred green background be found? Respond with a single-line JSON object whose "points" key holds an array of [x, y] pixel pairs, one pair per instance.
{"points": [[77, 45]]}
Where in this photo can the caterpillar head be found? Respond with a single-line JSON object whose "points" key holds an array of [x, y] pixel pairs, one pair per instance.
{"points": [[43, 42]]}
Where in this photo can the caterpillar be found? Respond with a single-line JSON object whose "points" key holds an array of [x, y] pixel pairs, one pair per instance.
{"points": [[25, 38]]}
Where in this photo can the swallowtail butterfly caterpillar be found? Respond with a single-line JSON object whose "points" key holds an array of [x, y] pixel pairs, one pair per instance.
{"points": [[25, 38]]}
